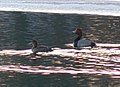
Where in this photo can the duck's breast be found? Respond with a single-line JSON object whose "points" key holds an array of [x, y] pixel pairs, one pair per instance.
{"points": [[84, 43], [35, 50]]}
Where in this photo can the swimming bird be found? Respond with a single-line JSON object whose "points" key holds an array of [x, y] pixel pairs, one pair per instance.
{"points": [[42, 48], [78, 42]]}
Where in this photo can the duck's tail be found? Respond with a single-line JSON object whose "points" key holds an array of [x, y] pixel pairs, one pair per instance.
{"points": [[93, 44], [50, 49]]}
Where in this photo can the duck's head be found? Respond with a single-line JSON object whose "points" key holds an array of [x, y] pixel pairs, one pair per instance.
{"points": [[78, 31], [34, 43]]}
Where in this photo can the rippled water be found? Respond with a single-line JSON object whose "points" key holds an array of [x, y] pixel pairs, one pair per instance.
{"points": [[55, 30]]}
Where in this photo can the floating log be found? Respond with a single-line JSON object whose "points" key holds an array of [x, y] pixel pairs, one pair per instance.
{"points": [[102, 45], [101, 53], [64, 52]]}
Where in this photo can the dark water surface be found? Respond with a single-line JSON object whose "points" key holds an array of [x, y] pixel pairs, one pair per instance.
{"points": [[17, 29]]}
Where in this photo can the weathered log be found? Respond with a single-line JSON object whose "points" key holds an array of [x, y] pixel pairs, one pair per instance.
{"points": [[102, 45], [100, 52]]}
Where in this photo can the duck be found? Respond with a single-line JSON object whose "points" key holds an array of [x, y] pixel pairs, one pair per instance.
{"points": [[78, 42], [35, 49]]}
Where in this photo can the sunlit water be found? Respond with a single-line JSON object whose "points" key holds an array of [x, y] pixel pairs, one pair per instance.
{"points": [[17, 29], [99, 7]]}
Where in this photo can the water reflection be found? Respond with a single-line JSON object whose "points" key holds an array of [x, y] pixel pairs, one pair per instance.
{"points": [[18, 80], [104, 29], [17, 29], [55, 30]]}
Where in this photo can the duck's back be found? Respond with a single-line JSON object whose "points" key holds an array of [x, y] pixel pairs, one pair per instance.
{"points": [[42, 48], [84, 43]]}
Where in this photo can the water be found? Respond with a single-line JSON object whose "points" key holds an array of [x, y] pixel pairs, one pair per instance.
{"points": [[99, 7], [55, 30]]}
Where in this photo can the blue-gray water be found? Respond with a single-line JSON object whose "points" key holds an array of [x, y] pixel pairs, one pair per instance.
{"points": [[17, 29]]}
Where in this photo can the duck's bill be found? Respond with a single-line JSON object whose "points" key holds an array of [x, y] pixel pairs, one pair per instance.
{"points": [[74, 31], [30, 43]]}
